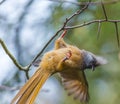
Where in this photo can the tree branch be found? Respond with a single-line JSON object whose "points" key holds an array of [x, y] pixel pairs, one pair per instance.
{"points": [[62, 28], [98, 21], [84, 3], [10, 55], [91, 22], [13, 59]]}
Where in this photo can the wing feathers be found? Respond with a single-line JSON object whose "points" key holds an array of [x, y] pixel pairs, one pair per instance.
{"points": [[76, 84]]}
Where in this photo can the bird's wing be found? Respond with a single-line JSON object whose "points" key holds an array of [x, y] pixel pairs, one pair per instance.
{"points": [[76, 84]]}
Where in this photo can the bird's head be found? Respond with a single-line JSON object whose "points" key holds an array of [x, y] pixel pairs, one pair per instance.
{"points": [[91, 61]]}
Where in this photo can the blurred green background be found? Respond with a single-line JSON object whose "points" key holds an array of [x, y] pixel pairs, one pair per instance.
{"points": [[25, 27]]}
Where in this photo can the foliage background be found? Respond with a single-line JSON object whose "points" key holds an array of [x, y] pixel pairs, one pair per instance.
{"points": [[25, 27]]}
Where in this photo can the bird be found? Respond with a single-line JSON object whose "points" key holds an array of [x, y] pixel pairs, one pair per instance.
{"points": [[69, 62]]}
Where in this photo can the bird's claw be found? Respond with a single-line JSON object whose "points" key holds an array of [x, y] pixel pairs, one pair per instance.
{"points": [[68, 55]]}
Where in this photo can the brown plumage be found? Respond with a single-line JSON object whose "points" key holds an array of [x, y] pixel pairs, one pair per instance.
{"points": [[75, 83], [70, 62]]}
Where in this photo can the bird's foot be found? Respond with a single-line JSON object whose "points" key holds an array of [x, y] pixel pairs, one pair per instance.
{"points": [[63, 34], [67, 57]]}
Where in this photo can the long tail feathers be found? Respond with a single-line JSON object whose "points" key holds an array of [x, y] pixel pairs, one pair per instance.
{"points": [[29, 91], [37, 88]]}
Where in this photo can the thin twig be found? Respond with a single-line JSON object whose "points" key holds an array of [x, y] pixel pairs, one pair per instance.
{"points": [[98, 21], [11, 56], [25, 69], [91, 22], [84, 3], [117, 34], [76, 13], [104, 11], [99, 28]]}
